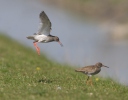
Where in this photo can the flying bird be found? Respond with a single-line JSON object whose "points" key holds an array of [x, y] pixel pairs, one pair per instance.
{"points": [[43, 34]]}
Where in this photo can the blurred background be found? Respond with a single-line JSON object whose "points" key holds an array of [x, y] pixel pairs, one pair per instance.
{"points": [[91, 31]]}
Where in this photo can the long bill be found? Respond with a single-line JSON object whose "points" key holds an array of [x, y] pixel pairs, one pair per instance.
{"points": [[105, 66], [60, 43]]}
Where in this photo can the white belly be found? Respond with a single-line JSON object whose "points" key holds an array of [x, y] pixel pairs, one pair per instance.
{"points": [[41, 38]]}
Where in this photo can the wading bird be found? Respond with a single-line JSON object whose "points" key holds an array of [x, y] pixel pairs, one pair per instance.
{"points": [[43, 35], [91, 70]]}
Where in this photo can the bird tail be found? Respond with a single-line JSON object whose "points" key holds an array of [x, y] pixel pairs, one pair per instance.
{"points": [[77, 70], [30, 37]]}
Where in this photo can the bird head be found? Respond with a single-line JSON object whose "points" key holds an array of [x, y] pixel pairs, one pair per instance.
{"points": [[100, 65], [57, 40]]}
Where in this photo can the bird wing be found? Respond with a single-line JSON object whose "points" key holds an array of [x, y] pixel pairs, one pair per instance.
{"points": [[87, 69], [45, 25]]}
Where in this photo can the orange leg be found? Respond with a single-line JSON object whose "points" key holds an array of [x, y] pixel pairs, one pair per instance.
{"points": [[89, 81], [37, 48]]}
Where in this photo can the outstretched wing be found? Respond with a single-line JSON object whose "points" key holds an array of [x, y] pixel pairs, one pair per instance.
{"points": [[45, 25]]}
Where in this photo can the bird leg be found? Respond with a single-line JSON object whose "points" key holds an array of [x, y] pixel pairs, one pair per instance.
{"points": [[87, 80], [37, 48], [91, 81]]}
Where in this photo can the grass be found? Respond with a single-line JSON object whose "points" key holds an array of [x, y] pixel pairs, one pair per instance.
{"points": [[26, 76]]}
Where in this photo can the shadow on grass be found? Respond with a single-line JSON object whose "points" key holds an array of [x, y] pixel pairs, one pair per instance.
{"points": [[45, 81]]}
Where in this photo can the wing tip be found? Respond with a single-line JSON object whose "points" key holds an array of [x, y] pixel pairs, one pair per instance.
{"points": [[42, 12]]}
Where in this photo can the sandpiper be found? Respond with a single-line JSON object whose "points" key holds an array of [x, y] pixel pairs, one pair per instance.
{"points": [[43, 35], [91, 70]]}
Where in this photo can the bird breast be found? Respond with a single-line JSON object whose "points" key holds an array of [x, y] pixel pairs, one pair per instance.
{"points": [[97, 70]]}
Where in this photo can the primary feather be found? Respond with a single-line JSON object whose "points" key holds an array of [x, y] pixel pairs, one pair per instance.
{"points": [[45, 25]]}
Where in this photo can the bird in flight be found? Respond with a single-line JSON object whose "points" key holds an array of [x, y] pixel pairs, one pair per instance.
{"points": [[43, 35]]}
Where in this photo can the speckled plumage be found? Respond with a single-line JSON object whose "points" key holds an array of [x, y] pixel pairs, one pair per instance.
{"points": [[91, 70]]}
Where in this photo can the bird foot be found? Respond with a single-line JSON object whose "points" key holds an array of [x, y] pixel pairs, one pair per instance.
{"points": [[89, 83], [37, 48]]}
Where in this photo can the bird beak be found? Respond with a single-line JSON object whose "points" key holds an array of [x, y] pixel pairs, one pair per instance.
{"points": [[60, 43], [105, 66]]}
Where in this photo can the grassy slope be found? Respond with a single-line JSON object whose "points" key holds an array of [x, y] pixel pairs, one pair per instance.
{"points": [[20, 78]]}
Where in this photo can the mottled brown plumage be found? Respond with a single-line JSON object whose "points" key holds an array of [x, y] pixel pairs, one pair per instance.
{"points": [[91, 70]]}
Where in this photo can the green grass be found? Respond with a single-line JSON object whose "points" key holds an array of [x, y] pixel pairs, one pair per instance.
{"points": [[26, 76]]}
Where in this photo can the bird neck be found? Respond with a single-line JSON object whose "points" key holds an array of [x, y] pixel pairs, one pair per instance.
{"points": [[99, 67], [51, 38]]}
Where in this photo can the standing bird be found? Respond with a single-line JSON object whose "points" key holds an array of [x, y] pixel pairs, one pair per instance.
{"points": [[43, 35], [91, 70]]}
